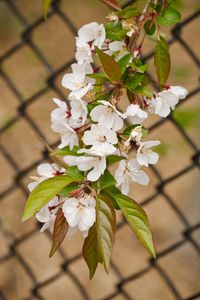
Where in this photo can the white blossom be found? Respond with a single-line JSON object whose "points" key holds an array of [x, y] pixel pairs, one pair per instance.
{"points": [[92, 33], [50, 170], [83, 52], [77, 81], [60, 113], [164, 102], [101, 139], [130, 171], [78, 111], [96, 165], [135, 113], [145, 155], [119, 47], [80, 212], [45, 171], [47, 214], [179, 91], [69, 136], [107, 115]]}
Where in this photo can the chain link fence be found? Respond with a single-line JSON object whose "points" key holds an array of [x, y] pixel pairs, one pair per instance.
{"points": [[63, 272]]}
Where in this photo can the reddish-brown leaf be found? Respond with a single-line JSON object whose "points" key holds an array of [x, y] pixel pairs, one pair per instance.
{"points": [[112, 3], [59, 231]]}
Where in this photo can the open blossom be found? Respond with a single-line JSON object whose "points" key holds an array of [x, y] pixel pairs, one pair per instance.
{"points": [[60, 113], [47, 214], [75, 116], [179, 91], [96, 165], [135, 113], [130, 171], [83, 52], [166, 100], [80, 212], [145, 155], [69, 136], [101, 139], [92, 33], [107, 115], [45, 171], [77, 81], [118, 47], [78, 111]]}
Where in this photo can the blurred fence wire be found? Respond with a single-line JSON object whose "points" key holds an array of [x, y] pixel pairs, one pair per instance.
{"points": [[23, 104]]}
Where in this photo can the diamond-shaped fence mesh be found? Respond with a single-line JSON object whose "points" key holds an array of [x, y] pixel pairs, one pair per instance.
{"points": [[33, 57]]}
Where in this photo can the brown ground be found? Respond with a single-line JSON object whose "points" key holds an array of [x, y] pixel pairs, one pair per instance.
{"points": [[20, 140]]}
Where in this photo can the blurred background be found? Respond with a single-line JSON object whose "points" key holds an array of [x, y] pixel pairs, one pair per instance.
{"points": [[34, 55]]}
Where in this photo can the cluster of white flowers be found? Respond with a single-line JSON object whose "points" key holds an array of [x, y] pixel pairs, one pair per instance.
{"points": [[98, 132]]}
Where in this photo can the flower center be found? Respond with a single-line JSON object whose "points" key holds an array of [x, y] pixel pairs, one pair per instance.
{"points": [[101, 138]]}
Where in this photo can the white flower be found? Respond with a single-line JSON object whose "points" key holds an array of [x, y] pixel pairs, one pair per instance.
{"points": [[135, 113], [130, 171], [45, 171], [179, 91], [102, 140], [47, 214], [83, 52], [96, 165], [146, 156], [78, 111], [107, 115], [80, 213], [164, 102], [69, 136], [92, 32], [77, 81], [136, 135], [50, 170], [60, 113], [119, 47]]}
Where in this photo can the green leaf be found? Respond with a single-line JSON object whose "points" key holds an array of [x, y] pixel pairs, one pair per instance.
{"points": [[116, 36], [133, 81], [46, 4], [124, 61], [128, 12], [162, 60], [43, 193], [113, 158], [138, 65], [112, 3], [91, 252], [110, 192], [150, 27], [97, 76], [106, 180], [75, 173], [66, 151], [115, 31], [106, 227], [144, 90], [169, 17], [138, 221], [110, 66], [67, 190], [59, 231]]}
